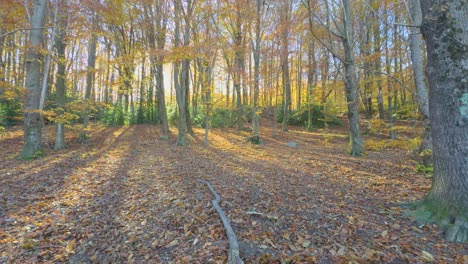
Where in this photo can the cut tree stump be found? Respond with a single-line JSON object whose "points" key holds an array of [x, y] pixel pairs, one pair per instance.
{"points": [[234, 257]]}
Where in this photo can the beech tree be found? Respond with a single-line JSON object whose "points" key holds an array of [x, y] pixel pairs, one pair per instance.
{"points": [[32, 120], [445, 30], [344, 32], [415, 43], [60, 84]]}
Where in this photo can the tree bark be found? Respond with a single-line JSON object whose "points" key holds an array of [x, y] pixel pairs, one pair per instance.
{"points": [[284, 53], [350, 83], [256, 54], [32, 122], [445, 30], [416, 49], [60, 82]]}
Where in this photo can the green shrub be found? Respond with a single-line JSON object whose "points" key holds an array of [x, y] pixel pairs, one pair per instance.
{"points": [[300, 118], [407, 112], [172, 115], [10, 112], [219, 118]]}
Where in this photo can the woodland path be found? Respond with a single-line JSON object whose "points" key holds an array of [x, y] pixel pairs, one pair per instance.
{"points": [[128, 197]]}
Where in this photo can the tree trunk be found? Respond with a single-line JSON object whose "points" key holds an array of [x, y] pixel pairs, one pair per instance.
{"points": [[32, 126], [286, 80], [238, 62], [89, 82], [350, 83], [445, 29], [60, 82], [256, 54], [179, 88], [378, 64], [416, 49]]}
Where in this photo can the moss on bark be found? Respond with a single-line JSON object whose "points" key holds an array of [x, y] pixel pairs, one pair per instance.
{"points": [[452, 220]]}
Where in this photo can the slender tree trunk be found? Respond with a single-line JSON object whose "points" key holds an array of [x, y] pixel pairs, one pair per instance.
{"points": [[256, 54], [238, 61], [60, 83], [445, 29], [378, 65], [89, 82], [311, 80], [32, 126], [179, 87], [286, 80], [350, 84], [416, 49]]}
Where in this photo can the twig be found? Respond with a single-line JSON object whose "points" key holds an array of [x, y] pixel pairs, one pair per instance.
{"points": [[270, 217], [234, 257]]}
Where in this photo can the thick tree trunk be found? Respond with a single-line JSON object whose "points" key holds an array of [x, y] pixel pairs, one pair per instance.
{"points": [[445, 29], [32, 120]]}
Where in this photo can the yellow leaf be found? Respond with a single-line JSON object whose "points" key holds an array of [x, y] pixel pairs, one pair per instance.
{"points": [[173, 243], [305, 244], [286, 236], [70, 246], [93, 258], [427, 256], [293, 248], [385, 234]]}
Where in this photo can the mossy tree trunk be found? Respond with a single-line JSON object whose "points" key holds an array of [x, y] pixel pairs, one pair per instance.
{"points": [[445, 29], [32, 120]]}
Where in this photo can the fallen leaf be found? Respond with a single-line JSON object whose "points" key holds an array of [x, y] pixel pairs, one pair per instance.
{"points": [[70, 246], [173, 243], [427, 256]]}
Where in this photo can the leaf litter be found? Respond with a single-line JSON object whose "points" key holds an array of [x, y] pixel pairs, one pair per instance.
{"points": [[128, 197]]}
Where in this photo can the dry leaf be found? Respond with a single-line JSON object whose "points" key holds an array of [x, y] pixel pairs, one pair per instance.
{"points": [[173, 243], [70, 246], [427, 256]]}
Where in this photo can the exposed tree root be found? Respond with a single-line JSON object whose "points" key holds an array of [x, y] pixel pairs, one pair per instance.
{"points": [[234, 257], [455, 225]]}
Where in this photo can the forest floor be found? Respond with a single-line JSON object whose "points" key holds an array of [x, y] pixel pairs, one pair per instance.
{"points": [[128, 197]]}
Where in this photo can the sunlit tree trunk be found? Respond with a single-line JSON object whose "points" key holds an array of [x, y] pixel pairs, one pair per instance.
{"points": [[416, 49], [32, 126]]}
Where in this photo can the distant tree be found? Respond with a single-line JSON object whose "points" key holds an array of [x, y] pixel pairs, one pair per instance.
{"points": [[343, 30], [32, 120], [445, 30]]}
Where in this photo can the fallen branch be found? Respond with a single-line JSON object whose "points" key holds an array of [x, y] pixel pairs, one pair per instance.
{"points": [[234, 257]]}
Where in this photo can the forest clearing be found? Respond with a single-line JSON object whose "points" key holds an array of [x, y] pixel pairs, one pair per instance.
{"points": [[128, 197]]}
